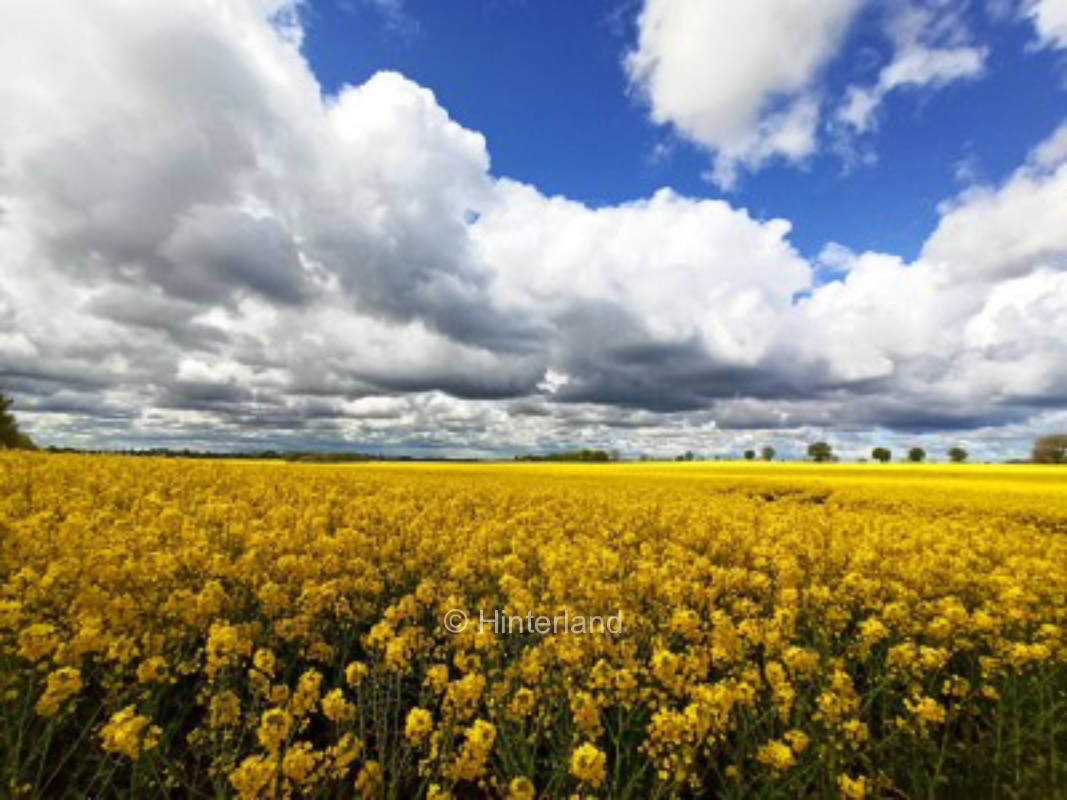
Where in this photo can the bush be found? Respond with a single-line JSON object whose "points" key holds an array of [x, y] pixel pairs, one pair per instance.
{"points": [[10, 435]]}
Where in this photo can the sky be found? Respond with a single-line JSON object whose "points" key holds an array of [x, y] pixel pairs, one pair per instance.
{"points": [[485, 228]]}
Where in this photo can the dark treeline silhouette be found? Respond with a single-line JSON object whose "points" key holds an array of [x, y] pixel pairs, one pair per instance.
{"points": [[302, 457], [583, 455]]}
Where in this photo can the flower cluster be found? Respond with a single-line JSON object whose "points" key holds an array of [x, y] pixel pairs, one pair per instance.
{"points": [[271, 630]]}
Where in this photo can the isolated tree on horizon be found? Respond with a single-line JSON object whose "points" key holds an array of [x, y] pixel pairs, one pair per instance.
{"points": [[767, 452], [1051, 449], [957, 455], [882, 454], [10, 435], [820, 451], [750, 455], [916, 455]]}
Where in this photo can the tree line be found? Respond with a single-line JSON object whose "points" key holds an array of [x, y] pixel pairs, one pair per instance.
{"points": [[585, 455], [1050, 449], [822, 451]]}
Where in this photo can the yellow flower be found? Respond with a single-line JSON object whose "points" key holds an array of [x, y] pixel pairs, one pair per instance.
{"points": [[665, 665], [300, 763], [38, 641], [419, 724], [522, 702], [255, 778], [224, 710], [798, 740], [226, 645], [10, 614], [801, 661], [464, 695], [370, 779], [152, 670], [355, 673], [437, 677], [470, 765], [776, 754], [306, 696], [336, 708], [345, 752], [62, 684], [129, 733], [927, 709], [273, 730], [588, 764], [521, 789], [265, 661], [856, 732], [586, 714], [280, 695], [852, 788], [873, 630]]}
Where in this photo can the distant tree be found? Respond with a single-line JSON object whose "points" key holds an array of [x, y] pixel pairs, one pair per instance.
{"points": [[689, 455], [916, 454], [585, 454], [10, 435], [820, 451], [749, 455], [1051, 449], [882, 454], [767, 453], [957, 455]]}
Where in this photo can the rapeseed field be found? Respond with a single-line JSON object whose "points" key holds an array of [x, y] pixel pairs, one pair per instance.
{"points": [[176, 628]]}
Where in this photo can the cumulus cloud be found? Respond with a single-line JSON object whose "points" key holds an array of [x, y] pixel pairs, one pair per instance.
{"points": [[1049, 18], [931, 50], [671, 268], [201, 248], [745, 80], [976, 322], [1006, 231], [738, 78]]}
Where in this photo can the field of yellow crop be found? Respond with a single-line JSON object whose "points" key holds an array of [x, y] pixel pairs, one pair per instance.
{"points": [[214, 629]]}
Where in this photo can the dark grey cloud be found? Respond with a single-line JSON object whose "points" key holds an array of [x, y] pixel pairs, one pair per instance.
{"points": [[213, 250]]}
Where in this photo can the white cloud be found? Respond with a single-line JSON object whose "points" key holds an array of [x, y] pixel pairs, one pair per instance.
{"points": [[978, 321], [1008, 230], [930, 51], [1050, 20], [674, 267], [1052, 152], [884, 312], [738, 78]]}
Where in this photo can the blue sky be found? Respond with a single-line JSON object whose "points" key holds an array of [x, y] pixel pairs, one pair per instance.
{"points": [[484, 228], [545, 83]]}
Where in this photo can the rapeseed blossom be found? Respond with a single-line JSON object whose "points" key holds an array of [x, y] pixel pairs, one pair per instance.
{"points": [[277, 629]]}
